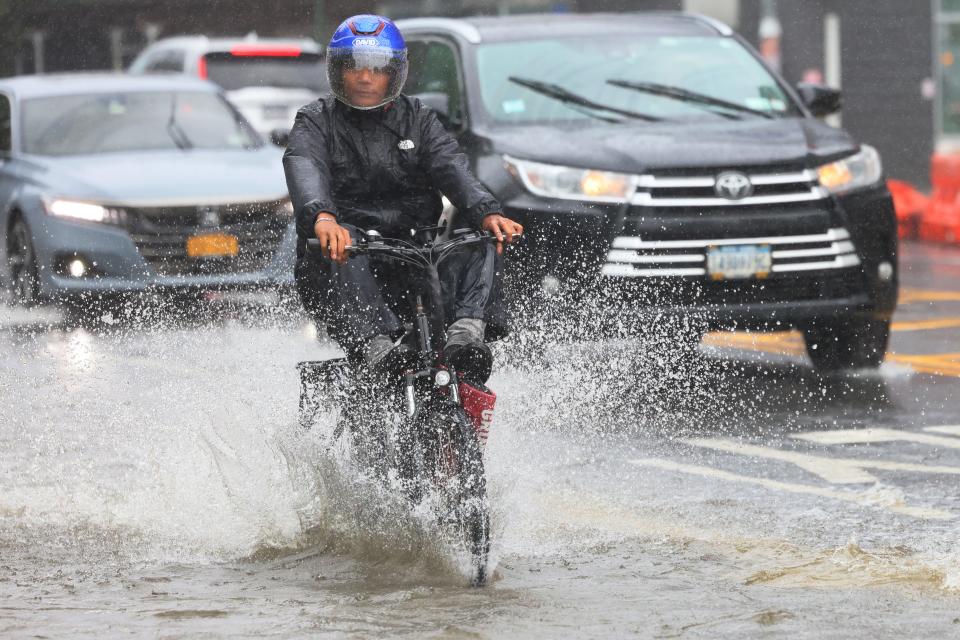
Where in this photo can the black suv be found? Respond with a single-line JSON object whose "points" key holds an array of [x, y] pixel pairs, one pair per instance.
{"points": [[656, 154]]}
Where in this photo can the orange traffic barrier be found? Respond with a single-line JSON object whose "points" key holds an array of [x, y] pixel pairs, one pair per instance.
{"points": [[945, 170], [941, 220], [910, 205]]}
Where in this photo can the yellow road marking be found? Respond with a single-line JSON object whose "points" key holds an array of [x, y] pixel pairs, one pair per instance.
{"points": [[947, 364], [791, 343], [894, 505], [833, 470], [908, 296], [870, 435], [925, 325]]}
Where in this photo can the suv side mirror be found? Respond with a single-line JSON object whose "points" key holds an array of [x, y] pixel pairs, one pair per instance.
{"points": [[820, 99], [280, 137], [440, 103]]}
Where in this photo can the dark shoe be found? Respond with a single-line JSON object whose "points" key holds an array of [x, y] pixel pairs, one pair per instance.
{"points": [[473, 361]]}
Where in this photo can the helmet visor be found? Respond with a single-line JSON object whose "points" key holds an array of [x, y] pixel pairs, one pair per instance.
{"points": [[378, 61]]}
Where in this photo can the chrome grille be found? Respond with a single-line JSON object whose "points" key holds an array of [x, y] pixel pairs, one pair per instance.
{"points": [[699, 191], [161, 234], [634, 257]]}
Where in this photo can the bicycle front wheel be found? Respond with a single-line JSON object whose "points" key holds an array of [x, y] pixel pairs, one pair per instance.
{"points": [[457, 462]]}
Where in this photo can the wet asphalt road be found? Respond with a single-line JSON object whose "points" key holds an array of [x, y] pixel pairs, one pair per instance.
{"points": [[153, 482]]}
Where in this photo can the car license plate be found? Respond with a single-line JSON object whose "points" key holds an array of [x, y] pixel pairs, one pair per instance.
{"points": [[212, 245], [730, 262]]}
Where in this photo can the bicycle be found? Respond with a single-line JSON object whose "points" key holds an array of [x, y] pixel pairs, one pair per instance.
{"points": [[432, 424]]}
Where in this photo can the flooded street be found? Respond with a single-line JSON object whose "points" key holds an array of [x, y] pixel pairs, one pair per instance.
{"points": [[154, 481]]}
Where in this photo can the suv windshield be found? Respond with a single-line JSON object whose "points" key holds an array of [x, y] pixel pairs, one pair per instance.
{"points": [[303, 71], [112, 122], [660, 77]]}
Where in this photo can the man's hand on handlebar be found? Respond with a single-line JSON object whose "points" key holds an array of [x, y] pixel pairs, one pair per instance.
{"points": [[333, 238], [503, 229]]}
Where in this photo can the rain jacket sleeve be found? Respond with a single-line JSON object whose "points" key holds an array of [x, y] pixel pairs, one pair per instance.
{"points": [[306, 163], [449, 171]]}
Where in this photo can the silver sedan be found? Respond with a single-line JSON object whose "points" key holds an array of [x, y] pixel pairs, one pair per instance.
{"points": [[112, 184]]}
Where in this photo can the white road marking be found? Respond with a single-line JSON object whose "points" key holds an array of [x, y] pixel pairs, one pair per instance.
{"points": [[952, 430], [833, 470], [860, 499], [864, 436]]}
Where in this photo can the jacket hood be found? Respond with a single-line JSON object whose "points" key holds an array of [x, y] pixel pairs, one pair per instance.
{"points": [[168, 177], [638, 148]]}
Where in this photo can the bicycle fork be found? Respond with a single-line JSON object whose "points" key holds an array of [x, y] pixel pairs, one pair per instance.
{"points": [[438, 377]]}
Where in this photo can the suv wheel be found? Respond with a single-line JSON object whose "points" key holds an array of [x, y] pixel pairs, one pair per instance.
{"points": [[847, 342], [24, 279]]}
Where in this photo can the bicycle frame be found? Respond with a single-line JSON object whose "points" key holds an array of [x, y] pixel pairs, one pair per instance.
{"points": [[426, 257]]}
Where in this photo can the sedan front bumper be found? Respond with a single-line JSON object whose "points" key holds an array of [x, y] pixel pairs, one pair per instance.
{"points": [[116, 264]]}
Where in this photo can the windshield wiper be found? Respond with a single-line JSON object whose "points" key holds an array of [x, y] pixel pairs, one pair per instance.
{"points": [[685, 95], [566, 96], [177, 134]]}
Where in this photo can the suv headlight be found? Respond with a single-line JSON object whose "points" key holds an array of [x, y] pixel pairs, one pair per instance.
{"points": [[570, 183], [862, 169], [85, 211]]}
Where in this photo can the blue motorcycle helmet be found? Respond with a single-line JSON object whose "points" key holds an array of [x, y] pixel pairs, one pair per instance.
{"points": [[367, 42]]}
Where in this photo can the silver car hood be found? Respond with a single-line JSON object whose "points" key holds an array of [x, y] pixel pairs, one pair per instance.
{"points": [[168, 178]]}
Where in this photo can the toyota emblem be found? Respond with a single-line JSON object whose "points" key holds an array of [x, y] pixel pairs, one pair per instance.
{"points": [[733, 185]]}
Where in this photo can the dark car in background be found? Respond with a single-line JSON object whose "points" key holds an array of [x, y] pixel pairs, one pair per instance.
{"points": [[267, 79], [656, 157], [111, 183]]}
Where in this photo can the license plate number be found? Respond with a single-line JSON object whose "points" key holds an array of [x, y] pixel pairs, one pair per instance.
{"points": [[731, 262], [212, 245]]}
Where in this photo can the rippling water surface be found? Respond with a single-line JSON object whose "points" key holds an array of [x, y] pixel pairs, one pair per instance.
{"points": [[153, 479]]}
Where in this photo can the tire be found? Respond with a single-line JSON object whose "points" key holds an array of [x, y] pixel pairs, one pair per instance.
{"points": [[456, 460], [848, 342], [22, 262]]}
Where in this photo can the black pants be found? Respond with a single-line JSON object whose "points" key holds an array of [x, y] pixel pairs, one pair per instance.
{"points": [[370, 296]]}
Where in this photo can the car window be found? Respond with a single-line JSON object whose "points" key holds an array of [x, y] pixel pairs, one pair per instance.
{"points": [[299, 70], [167, 61], [5, 125], [714, 67], [132, 121], [434, 68]]}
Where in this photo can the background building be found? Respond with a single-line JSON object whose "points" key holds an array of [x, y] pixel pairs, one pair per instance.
{"points": [[893, 59]]}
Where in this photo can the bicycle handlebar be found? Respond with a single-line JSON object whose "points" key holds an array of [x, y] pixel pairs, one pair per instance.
{"points": [[423, 255]]}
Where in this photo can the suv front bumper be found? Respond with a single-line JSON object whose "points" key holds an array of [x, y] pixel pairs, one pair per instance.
{"points": [[833, 256]]}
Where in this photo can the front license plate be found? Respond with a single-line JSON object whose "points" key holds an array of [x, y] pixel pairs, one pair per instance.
{"points": [[212, 245], [730, 262]]}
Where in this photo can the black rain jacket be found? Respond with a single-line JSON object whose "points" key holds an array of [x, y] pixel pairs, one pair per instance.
{"points": [[382, 169]]}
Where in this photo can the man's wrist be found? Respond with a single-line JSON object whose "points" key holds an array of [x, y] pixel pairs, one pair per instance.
{"points": [[324, 216]]}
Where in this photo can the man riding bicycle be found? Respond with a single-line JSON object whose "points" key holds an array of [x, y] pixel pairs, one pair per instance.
{"points": [[370, 158]]}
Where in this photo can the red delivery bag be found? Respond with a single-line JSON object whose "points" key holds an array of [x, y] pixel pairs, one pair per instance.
{"points": [[478, 402]]}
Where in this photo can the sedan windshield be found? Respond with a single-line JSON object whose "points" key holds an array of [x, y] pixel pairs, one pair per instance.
{"points": [[115, 122], [663, 78], [303, 71]]}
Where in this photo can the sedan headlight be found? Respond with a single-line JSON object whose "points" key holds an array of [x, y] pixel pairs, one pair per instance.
{"points": [[570, 183], [85, 211], [862, 169]]}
